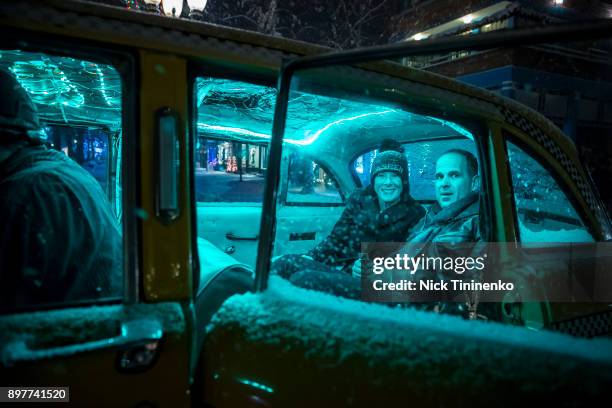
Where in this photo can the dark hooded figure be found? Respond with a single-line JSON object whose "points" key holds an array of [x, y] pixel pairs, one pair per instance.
{"points": [[59, 240], [384, 211]]}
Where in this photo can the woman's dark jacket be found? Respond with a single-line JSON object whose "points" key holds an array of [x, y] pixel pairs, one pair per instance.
{"points": [[363, 222]]}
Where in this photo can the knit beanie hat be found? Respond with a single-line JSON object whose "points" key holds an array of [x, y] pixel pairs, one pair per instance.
{"points": [[391, 158]]}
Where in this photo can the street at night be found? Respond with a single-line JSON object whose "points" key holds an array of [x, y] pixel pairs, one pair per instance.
{"points": [[219, 186]]}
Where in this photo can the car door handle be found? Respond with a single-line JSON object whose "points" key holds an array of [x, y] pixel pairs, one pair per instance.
{"points": [[133, 333], [232, 237], [302, 236]]}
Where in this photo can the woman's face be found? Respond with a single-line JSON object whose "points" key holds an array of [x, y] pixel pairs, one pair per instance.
{"points": [[388, 186]]}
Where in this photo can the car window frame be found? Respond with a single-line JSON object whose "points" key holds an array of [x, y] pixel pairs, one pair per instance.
{"points": [[524, 36], [197, 68], [124, 60], [512, 137]]}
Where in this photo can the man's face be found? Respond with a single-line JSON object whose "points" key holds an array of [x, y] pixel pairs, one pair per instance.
{"points": [[453, 179], [388, 186]]}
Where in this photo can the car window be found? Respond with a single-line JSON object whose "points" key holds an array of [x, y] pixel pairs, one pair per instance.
{"points": [[61, 192], [385, 153], [421, 158], [234, 122], [544, 212], [228, 171], [232, 135], [309, 183], [343, 115]]}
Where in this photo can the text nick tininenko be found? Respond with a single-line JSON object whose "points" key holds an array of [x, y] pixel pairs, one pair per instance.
{"points": [[432, 285], [458, 265]]}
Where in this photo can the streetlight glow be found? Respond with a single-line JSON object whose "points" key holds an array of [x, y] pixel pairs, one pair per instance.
{"points": [[172, 8], [467, 19], [196, 9], [198, 5]]}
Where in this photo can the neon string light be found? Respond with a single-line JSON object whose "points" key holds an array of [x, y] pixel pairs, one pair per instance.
{"points": [[305, 142], [318, 133], [459, 129], [255, 384], [235, 130], [102, 85]]}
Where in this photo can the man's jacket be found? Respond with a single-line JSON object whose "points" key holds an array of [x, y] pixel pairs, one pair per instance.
{"points": [[459, 222], [439, 235]]}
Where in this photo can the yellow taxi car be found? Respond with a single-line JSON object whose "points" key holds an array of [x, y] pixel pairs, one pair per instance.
{"points": [[212, 173]]}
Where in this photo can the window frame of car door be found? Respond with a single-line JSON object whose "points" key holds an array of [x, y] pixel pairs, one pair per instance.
{"points": [[512, 136], [507, 38], [482, 129], [201, 69], [124, 61]]}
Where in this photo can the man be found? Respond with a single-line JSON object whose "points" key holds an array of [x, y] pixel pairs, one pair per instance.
{"points": [[453, 219], [59, 240], [384, 211]]}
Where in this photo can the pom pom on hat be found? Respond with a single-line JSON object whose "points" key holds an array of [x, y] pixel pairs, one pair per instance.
{"points": [[390, 144]]}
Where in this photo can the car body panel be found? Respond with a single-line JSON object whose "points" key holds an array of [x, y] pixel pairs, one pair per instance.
{"points": [[299, 228], [232, 227], [163, 85], [94, 376]]}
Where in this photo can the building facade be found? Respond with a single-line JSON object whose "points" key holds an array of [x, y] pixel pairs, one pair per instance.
{"points": [[571, 84]]}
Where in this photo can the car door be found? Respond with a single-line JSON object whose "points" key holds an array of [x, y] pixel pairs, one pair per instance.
{"points": [[110, 347], [293, 340]]}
